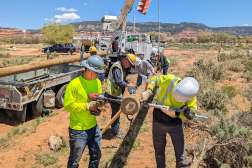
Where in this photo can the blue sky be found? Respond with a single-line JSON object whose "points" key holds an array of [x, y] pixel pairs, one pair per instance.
{"points": [[34, 14]]}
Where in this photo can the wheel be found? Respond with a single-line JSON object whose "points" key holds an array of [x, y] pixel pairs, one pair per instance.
{"points": [[21, 115], [37, 107], [59, 101]]}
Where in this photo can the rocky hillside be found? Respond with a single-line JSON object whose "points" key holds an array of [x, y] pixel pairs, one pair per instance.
{"points": [[168, 27]]}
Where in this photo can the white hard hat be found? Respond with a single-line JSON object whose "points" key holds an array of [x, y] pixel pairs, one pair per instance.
{"points": [[138, 61], [154, 50], [186, 89]]}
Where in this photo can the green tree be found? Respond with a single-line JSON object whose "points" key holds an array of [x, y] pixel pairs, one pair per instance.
{"points": [[57, 33], [204, 37]]}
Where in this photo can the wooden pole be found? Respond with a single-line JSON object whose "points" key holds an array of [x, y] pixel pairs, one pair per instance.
{"points": [[107, 126], [43, 64]]}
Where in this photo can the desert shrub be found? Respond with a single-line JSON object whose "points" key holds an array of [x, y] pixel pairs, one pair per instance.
{"points": [[46, 159], [209, 70], [228, 129], [214, 101], [230, 91], [248, 64], [222, 57], [249, 161], [247, 75], [235, 66], [23, 40], [244, 119], [232, 147], [16, 61], [4, 55], [234, 54], [248, 93]]}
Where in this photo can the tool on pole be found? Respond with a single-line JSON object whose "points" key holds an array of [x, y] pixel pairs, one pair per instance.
{"points": [[195, 116], [130, 105]]}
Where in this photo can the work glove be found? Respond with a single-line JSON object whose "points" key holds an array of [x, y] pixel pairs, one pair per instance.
{"points": [[93, 96], [188, 113], [146, 95], [184, 112], [169, 112], [96, 113], [131, 89], [144, 78], [93, 108]]}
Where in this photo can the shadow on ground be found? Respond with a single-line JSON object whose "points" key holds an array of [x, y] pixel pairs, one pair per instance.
{"points": [[120, 157]]}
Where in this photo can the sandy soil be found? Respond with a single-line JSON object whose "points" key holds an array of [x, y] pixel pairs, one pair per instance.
{"points": [[21, 151]]}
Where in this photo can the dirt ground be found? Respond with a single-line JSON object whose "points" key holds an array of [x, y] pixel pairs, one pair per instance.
{"points": [[20, 54], [23, 150]]}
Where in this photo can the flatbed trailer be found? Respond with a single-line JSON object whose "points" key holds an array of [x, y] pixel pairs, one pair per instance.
{"points": [[35, 90]]}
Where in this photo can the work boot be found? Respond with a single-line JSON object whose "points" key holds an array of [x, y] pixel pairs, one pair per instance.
{"points": [[109, 134], [183, 164]]}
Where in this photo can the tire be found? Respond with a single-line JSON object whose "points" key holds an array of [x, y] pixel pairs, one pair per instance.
{"points": [[20, 116], [59, 100], [37, 107]]}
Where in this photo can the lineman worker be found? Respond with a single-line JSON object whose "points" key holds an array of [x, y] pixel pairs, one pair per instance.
{"points": [[154, 56], [82, 50], [92, 50], [144, 70], [80, 102], [180, 96], [164, 62], [116, 84]]}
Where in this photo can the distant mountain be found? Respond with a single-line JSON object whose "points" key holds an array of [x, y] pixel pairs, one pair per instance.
{"points": [[172, 28], [167, 27], [237, 30]]}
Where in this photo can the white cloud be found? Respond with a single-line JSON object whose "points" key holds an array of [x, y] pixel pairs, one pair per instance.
{"points": [[246, 24], [63, 9], [65, 17], [48, 19]]}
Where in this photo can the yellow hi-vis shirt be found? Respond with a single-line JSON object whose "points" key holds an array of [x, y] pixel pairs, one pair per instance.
{"points": [[163, 94], [76, 100]]}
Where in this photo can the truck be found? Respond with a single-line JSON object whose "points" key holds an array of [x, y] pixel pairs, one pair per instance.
{"points": [[36, 90], [60, 48], [122, 41]]}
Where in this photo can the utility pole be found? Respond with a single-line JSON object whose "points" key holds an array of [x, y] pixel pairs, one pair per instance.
{"points": [[134, 22], [158, 6]]}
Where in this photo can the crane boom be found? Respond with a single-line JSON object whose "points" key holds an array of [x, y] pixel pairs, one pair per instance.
{"points": [[122, 19]]}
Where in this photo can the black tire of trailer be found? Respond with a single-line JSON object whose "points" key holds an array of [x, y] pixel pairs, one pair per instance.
{"points": [[59, 99], [20, 116], [37, 106]]}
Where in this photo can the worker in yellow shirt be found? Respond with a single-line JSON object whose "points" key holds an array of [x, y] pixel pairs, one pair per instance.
{"points": [[80, 102], [180, 96]]}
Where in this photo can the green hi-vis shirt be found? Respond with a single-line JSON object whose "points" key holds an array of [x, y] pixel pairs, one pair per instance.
{"points": [[76, 100]]}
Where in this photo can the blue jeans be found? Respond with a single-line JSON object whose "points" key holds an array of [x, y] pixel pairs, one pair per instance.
{"points": [[79, 140], [116, 125], [101, 76], [165, 69], [139, 80]]}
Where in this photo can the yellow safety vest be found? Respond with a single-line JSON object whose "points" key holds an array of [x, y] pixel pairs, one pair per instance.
{"points": [[112, 88], [165, 85]]}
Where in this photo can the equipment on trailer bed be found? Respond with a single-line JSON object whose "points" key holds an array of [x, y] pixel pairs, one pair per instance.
{"points": [[36, 89]]}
